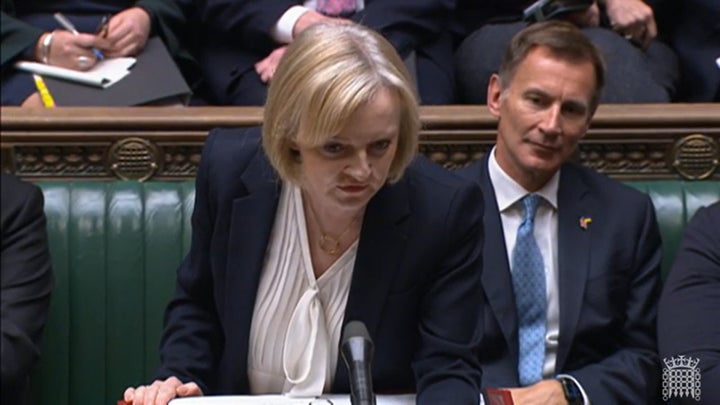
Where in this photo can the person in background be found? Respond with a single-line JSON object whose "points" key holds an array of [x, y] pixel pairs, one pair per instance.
{"points": [[245, 40], [693, 28], [26, 282], [321, 217], [641, 68], [572, 304], [690, 309], [30, 32]]}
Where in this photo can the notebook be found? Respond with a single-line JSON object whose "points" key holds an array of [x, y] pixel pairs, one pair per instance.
{"points": [[154, 79], [104, 74]]}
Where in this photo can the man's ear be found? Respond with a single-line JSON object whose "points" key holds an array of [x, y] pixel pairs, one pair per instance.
{"points": [[494, 94]]}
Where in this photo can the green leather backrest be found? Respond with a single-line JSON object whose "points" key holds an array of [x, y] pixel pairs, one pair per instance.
{"points": [[115, 248], [675, 203]]}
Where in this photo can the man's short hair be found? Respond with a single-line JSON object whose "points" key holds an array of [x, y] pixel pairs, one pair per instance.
{"points": [[564, 40], [325, 75]]}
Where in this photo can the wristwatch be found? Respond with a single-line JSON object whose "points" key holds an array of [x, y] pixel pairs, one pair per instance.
{"points": [[571, 391]]}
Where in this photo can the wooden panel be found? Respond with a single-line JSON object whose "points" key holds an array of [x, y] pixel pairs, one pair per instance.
{"points": [[633, 141]]}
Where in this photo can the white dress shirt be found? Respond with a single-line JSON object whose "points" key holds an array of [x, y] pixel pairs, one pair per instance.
{"points": [[297, 319], [282, 32], [508, 194]]}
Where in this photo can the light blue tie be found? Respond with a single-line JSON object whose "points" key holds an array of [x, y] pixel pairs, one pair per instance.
{"points": [[528, 274]]}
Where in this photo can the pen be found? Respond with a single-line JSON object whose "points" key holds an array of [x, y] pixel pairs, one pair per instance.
{"points": [[102, 28], [62, 20]]}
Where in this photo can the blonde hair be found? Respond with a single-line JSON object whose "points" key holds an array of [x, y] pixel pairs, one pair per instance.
{"points": [[325, 75]]}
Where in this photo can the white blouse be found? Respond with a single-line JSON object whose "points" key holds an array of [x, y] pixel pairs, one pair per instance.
{"points": [[297, 319]]}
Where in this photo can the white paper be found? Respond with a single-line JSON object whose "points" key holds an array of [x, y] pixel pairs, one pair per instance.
{"points": [[408, 399], [104, 74]]}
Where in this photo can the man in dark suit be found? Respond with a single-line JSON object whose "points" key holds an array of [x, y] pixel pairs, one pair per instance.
{"points": [[690, 310], [26, 283], [244, 41], [591, 252]]}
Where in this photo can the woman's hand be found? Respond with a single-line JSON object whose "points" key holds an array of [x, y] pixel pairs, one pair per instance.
{"points": [[128, 32], [72, 51], [161, 392]]}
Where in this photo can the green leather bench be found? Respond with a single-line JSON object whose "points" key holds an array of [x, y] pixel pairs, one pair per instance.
{"points": [[115, 247]]}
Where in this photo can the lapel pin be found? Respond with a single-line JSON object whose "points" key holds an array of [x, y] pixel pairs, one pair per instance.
{"points": [[584, 222]]}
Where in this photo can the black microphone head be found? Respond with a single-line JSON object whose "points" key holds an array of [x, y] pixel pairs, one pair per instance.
{"points": [[357, 351], [355, 329]]}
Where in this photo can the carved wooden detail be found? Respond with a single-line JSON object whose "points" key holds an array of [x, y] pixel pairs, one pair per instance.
{"points": [[180, 160], [617, 159], [49, 160], [669, 141], [696, 156]]}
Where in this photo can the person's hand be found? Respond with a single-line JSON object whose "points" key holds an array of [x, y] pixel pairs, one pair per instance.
{"points": [[545, 392], [161, 392], [266, 67], [632, 19], [587, 18], [71, 51], [128, 32], [33, 101], [312, 17]]}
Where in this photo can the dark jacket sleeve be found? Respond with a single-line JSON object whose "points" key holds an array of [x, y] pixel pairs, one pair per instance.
{"points": [[447, 368], [631, 374], [17, 36], [247, 23], [191, 344], [690, 304], [27, 282], [174, 22], [407, 24]]}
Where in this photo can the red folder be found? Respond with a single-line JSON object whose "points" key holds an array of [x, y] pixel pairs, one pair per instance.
{"points": [[497, 397]]}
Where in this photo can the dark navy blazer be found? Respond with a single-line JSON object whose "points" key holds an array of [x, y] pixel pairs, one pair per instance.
{"points": [[609, 284], [26, 284], [690, 305], [415, 285]]}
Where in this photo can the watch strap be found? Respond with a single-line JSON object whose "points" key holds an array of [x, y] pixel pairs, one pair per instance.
{"points": [[572, 392]]}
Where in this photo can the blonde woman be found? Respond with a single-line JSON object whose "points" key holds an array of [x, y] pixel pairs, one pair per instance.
{"points": [[322, 217]]}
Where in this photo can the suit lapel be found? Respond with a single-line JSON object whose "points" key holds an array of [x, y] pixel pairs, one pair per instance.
{"points": [[496, 277], [574, 244], [251, 223], [380, 252]]}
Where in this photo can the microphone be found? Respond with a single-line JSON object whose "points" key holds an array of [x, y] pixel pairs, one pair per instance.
{"points": [[357, 351]]}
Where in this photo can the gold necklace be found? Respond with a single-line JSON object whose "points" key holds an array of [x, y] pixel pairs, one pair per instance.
{"points": [[327, 243]]}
